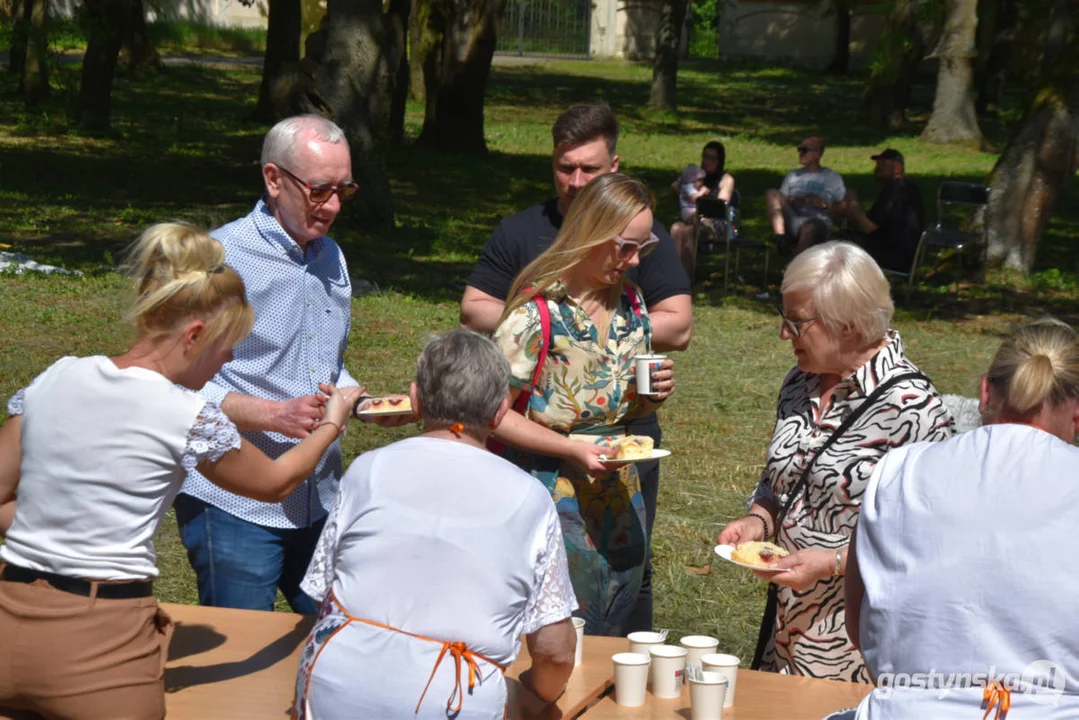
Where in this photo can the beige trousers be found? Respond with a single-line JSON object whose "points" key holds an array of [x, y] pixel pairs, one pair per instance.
{"points": [[67, 657]]}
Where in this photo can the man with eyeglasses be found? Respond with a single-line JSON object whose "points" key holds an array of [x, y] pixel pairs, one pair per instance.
{"points": [[802, 210], [297, 282], [585, 138]]}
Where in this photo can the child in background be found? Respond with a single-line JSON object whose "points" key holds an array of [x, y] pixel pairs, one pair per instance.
{"points": [[691, 187]]}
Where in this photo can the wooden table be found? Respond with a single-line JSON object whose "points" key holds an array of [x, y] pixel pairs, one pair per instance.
{"points": [[757, 696], [241, 664]]}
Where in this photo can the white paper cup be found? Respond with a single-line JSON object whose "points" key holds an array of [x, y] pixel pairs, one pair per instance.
{"points": [[644, 365], [668, 666], [578, 655], [706, 696], [698, 646], [725, 665], [640, 641], [630, 678]]}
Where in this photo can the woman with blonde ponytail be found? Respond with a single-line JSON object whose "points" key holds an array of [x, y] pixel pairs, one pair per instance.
{"points": [[961, 563], [573, 307], [93, 455]]}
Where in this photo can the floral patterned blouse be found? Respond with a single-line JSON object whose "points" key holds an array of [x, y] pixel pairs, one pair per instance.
{"points": [[584, 382], [811, 634]]}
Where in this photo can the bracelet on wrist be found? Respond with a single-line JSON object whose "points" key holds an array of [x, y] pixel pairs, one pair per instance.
{"points": [[838, 563], [764, 523]]}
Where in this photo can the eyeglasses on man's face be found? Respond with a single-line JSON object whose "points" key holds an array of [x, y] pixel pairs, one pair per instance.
{"points": [[320, 194], [626, 248], [795, 326]]}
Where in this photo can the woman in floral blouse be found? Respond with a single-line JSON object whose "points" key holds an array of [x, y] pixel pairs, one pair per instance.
{"points": [[587, 388], [836, 312]]}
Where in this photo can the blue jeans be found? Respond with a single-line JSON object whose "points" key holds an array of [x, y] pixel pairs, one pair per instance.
{"points": [[239, 564]]}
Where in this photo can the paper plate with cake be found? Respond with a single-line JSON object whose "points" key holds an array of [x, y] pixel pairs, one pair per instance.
{"points": [[383, 406], [758, 556], [629, 449]]}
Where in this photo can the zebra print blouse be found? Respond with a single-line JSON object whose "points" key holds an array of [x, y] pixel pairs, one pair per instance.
{"points": [[811, 637]]}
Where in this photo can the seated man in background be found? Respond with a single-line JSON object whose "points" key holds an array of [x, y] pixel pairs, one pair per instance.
{"points": [[891, 229], [801, 211]]}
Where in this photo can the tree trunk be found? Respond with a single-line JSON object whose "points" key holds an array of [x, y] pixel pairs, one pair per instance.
{"points": [[138, 51], [348, 75], [108, 21], [1035, 169], [899, 52], [418, 48], [20, 31], [999, 19], [35, 72], [664, 95], [953, 119], [282, 46], [455, 70], [1057, 37], [397, 14], [840, 64]]}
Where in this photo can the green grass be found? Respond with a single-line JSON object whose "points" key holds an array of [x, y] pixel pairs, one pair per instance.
{"points": [[182, 148]]}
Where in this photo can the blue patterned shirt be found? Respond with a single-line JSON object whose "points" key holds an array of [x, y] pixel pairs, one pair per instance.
{"points": [[302, 302]]}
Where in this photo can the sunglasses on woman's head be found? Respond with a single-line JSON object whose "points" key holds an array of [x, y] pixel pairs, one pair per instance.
{"points": [[626, 248], [320, 194]]}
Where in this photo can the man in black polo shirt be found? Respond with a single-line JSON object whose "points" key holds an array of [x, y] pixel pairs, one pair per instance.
{"points": [[890, 230], [585, 137]]}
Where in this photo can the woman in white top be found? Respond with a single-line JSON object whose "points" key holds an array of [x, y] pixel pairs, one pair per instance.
{"points": [[93, 455], [961, 579], [437, 556]]}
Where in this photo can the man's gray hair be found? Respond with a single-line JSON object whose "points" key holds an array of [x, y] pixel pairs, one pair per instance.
{"points": [[279, 145], [461, 377]]}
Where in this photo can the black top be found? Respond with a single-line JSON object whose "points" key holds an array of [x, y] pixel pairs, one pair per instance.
{"points": [[521, 238], [900, 216]]}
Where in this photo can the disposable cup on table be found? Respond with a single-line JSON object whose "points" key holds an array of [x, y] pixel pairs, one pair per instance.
{"points": [[578, 656], [698, 646], [707, 695], [640, 641], [668, 667], [630, 678], [726, 665]]}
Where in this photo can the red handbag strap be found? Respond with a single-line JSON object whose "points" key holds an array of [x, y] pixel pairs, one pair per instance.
{"points": [[521, 404]]}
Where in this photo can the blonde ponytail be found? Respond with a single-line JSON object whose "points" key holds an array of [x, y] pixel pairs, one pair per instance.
{"points": [[1038, 364], [181, 274]]}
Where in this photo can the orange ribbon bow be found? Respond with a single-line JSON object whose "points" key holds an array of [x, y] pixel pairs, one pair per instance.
{"points": [[998, 696]]}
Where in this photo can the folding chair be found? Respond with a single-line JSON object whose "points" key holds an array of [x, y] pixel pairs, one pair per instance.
{"points": [[952, 232], [726, 220]]}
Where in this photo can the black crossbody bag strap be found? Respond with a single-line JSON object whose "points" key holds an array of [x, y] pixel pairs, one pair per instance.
{"points": [[771, 606]]}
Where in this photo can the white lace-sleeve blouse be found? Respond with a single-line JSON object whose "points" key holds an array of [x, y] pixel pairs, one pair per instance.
{"points": [[104, 453]]}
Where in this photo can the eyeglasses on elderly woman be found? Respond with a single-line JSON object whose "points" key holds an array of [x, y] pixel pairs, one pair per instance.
{"points": [[794, 326], [626, 248]]}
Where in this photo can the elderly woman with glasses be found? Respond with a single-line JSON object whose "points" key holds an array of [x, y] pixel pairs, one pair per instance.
{"points": [[853, 396], [571, 329], [437, 556]]}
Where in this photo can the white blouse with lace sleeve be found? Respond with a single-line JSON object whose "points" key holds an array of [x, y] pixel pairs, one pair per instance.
{"points": [[14, 405], [212, 435], [553, 599], [320, 573]]}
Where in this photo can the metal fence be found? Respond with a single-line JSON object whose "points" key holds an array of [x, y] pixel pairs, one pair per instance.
{"points": [[546, 27]]}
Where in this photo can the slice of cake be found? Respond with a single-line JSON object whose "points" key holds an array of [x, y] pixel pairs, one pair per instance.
{"points": [[633, 447], [758, 554], [392, 404]]}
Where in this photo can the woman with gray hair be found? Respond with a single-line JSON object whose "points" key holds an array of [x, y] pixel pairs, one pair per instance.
{"points": [[438, 554], [853, 396]]}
